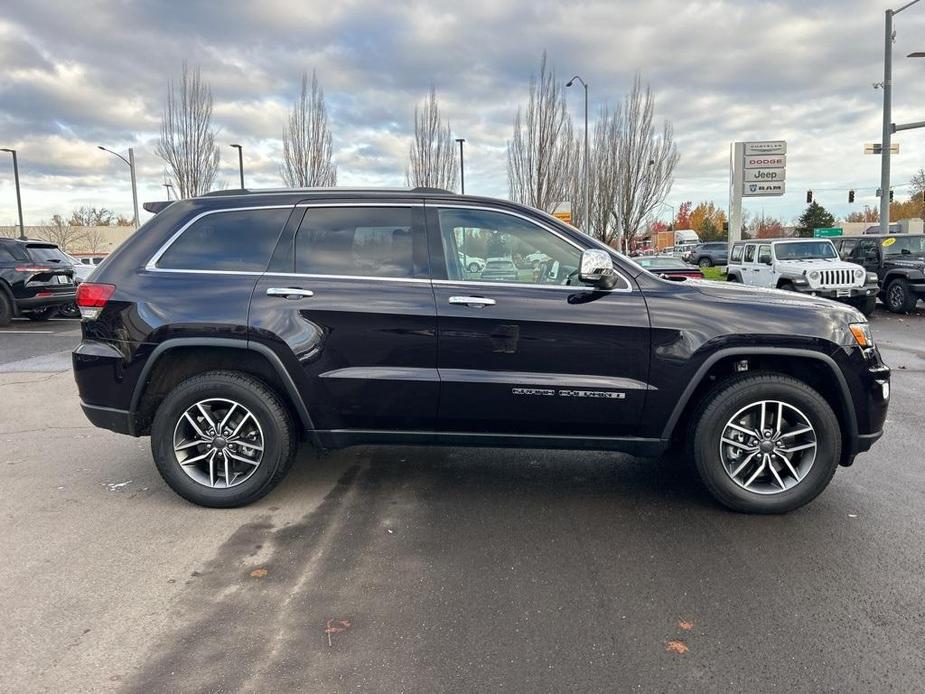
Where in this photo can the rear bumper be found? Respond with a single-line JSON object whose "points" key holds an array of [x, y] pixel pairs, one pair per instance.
{"points": [[119, 421], [53, 299]]}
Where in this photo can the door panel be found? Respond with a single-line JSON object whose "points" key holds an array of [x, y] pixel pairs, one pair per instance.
{"points": [[523, 351], [365, 346]]}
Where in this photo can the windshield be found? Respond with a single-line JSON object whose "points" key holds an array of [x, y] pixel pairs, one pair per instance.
{"points": [[904, 245], [48, 254], [805, 250]]}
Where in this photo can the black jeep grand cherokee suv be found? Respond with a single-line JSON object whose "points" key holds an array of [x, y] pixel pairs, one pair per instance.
{"points": [[234, 325]]}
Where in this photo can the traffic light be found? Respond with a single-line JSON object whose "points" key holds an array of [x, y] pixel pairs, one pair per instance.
{"points": [[891, 195], [850, 196], [809, 196]]}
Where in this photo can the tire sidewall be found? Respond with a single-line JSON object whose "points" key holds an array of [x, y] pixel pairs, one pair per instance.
{"points": [[710, 427], [900, 306], [705, 262], [6, 309], [275, 440]]}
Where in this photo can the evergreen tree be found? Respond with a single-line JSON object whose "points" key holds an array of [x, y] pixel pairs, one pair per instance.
{"points": [[815, 217]]}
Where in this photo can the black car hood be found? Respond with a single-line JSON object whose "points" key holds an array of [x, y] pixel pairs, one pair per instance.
{"points": [[739, 293]]}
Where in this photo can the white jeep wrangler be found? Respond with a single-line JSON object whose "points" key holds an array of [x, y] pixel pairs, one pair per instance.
{"points": [[810, 266]]}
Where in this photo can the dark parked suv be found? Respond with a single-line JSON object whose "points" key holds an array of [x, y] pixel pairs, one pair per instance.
{"points": [[898, 260], [35, 279], [235, 325]]}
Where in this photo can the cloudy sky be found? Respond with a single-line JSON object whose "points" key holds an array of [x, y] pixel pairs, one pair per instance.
{"points": [[85, 72]]}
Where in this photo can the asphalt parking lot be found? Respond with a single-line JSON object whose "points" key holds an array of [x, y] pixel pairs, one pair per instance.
{"points": [[422, 570]]}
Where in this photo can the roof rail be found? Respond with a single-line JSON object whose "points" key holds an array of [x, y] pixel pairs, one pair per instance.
{"points": [[427, 189], [230, 191]]}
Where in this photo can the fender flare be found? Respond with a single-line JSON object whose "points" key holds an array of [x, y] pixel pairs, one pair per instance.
{"points": [[847, 402], [734, 273], [275, 362], [898, 274]]}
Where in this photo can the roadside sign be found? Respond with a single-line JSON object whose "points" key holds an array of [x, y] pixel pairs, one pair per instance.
{"points": [[827, 232], [761, 175], [765, 161], [751, 190], [766, 147]]}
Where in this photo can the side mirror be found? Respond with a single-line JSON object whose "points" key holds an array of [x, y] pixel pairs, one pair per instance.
{"points": [[597, 269]]}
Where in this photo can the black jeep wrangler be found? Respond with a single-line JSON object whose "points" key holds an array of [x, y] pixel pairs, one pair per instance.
{"points": [[898, 260], [235, 325]]}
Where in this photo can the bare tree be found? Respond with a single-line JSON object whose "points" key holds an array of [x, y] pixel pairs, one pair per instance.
{"points": [[646, 160], [542, 152], [307, 144], [432, 161], [94, 240], [61, 233], [603, 178], [187, 141]]}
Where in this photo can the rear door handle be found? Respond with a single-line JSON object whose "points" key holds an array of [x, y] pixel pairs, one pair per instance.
{"points": [[476, 301], [293, 293]]}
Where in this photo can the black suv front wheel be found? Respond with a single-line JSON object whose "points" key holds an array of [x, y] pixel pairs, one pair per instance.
{"points": [[766, 443], [222, 439]]}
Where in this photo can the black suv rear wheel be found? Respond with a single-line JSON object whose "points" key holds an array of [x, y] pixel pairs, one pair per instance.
{"points": [[222, 439], [766, 443]]}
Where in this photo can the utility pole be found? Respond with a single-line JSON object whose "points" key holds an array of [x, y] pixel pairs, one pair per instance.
{"points": [[888, 127], [240, 163], [22, 232], [462, 169], [130, 162]]}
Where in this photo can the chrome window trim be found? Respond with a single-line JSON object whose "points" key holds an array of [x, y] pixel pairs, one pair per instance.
{"points": [[316, 276], [541, 225], [151, 265]]}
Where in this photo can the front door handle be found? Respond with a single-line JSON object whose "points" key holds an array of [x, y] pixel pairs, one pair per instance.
{"points": [[476, 301], [293, 293]]}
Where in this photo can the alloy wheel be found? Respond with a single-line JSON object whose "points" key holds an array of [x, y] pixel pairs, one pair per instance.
{"points": [[768, 447], [218, 443], [896, 296]]}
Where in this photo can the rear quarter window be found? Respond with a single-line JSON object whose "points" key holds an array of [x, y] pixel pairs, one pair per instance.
{"points": [[229, 240], [736, 256]]}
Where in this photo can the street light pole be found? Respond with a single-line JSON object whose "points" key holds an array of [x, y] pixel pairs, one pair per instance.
{"points": [[462, 169], [586, 163], [887, 117], [130, 162], [22, 232], [240, 149]]}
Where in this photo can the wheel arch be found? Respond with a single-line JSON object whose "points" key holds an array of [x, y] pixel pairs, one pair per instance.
{"points": [[791, 361], [176, 359]]}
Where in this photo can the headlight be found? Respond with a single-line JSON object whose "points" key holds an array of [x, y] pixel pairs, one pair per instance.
{"points": [[872, 277], [814, 275], [859, 273], [861, 333]]}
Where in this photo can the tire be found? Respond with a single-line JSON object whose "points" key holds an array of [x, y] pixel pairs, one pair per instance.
{"points": [[274, 426], [43, 314], [733, 278], [787, 287], [6, 309], [473, 267], [898, 297], [705, 262], [69, 311], [735, 395]]}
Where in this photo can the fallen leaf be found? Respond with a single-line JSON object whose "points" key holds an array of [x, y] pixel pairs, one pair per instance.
{"points": [[675, 646], [685, 624], [259, 573], [332, 627]]}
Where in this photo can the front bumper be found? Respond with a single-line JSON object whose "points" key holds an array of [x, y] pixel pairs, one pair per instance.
{"points": [[839, 293]]}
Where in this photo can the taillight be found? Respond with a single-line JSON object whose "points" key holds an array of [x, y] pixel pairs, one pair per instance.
{"points": [[92, 297]]}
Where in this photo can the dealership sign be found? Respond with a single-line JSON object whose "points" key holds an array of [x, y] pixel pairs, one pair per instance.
{"points": [[765, 161], [753, 175], [763, 189], [767, 147]]}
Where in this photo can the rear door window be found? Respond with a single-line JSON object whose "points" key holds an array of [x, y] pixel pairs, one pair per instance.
{"points": [[229, 240], [750, 253], [360, 242]]}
